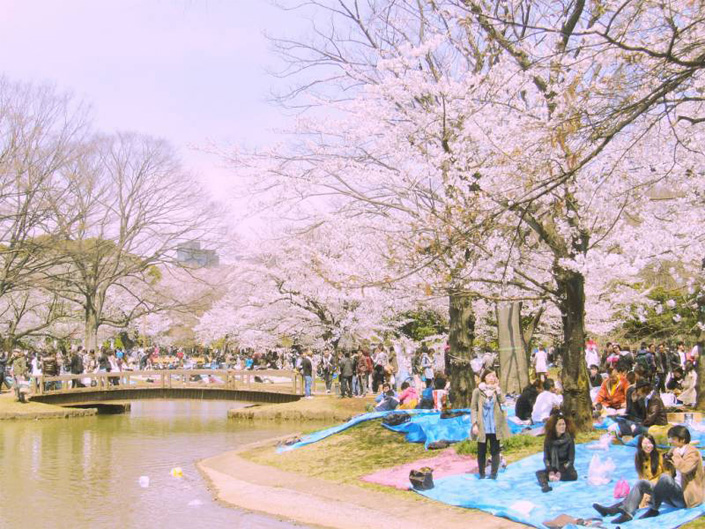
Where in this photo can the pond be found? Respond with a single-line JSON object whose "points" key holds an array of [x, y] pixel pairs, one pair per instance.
{"points": [[85, 472]]}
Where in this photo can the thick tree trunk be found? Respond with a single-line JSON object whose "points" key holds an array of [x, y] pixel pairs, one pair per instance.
{"points": [[576, 388], [460, 338], [514, 376], [701, 376], [91, 330]]}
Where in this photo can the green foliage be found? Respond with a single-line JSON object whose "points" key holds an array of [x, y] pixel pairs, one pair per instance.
{"points": [[674, 317], [422, 324]]}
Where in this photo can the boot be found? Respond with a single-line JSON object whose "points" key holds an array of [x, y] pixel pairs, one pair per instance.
{"points": [[623, 518], [607, 511], [481, 464], [495, 466], [543, 481], [649, 514]]}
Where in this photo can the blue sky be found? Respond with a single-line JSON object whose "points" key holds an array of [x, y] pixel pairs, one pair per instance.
{"points": [[190, 71]]}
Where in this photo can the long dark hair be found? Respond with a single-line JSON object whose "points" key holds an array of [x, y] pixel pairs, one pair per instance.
{"points": [[641, 455], [550, 427]]}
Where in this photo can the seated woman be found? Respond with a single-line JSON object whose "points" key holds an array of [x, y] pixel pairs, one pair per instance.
{"points": [[558, 452], [690, 382], [408, 398], [649, 467]]}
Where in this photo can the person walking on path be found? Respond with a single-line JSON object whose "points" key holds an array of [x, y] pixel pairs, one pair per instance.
{"points": [[307, 373], [489, 421], [346, 375], [327, 369]]}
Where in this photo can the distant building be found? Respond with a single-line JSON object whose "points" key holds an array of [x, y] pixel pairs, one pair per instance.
{"points": [[191, 254]]}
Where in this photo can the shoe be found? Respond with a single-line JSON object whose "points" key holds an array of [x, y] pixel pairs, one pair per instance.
{"points": [[546, 488], [607, 511], [623, 518], [493, 476], [651, 513], [481, 476]]}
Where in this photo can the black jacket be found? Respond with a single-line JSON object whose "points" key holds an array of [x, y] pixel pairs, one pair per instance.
{"points": [[525, 402], [564, 450]]}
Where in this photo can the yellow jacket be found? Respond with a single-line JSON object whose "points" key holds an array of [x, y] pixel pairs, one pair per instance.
{"points": [[646, 473]]}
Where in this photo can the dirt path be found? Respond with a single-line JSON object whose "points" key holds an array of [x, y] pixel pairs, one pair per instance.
{"points": [[241, 483]]}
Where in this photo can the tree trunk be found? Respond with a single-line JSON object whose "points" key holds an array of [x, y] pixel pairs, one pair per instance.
{"points": [[514, 376], [700, 386], [91, 329], [460, 338], [576, 387]]}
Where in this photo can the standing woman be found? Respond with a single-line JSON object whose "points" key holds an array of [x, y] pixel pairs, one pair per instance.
{"points": [[489, 421], [558, 452]]}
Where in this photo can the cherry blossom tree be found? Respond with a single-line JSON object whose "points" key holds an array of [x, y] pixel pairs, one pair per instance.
{"points": [[518, 147]]}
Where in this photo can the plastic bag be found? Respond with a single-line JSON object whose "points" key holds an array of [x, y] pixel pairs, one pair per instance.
{"points": [[603, 444], [600, 472], [621, 489]]}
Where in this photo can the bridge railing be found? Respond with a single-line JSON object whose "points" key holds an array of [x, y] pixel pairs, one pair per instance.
{"points": [[268, 380]]}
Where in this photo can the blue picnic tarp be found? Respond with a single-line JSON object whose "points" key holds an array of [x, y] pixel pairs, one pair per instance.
{"points": [[322, 434], [516, 494], [425, 426]]}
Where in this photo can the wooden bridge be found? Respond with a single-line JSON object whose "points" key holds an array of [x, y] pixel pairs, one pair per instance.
{"points": [[270, 386]]}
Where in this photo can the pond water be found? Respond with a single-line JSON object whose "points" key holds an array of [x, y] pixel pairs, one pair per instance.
{"points": [[85, 472]]}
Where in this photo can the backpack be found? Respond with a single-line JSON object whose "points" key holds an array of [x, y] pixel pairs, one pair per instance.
{"points": [[421, 479]]}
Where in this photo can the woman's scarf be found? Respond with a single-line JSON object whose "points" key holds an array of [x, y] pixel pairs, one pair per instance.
{"points": [[557, 443]]}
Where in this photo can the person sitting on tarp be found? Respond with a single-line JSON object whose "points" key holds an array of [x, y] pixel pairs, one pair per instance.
{"points": [[548, 400], [682, 486], [409, 397], [426, 401], [649, 467], [595, 377], [383, 394], [388, 403], [654, 411], [440, 394], [613, 393], [558, 452], [489, 421], [525, 403]]}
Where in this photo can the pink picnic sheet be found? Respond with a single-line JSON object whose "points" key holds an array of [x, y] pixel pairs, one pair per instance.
{"points": [[447, 463]]}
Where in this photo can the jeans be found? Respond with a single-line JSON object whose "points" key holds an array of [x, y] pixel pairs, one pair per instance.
{"points": [[625, 427], [345, 386], [666, 489], [631, 503], [355, 386], [308, 381], [328, 378], [363, 384]]}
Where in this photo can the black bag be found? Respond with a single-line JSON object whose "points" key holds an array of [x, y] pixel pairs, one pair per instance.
{"points": [[438, 445], [396, 418], [421, 479], [451, 414]]}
